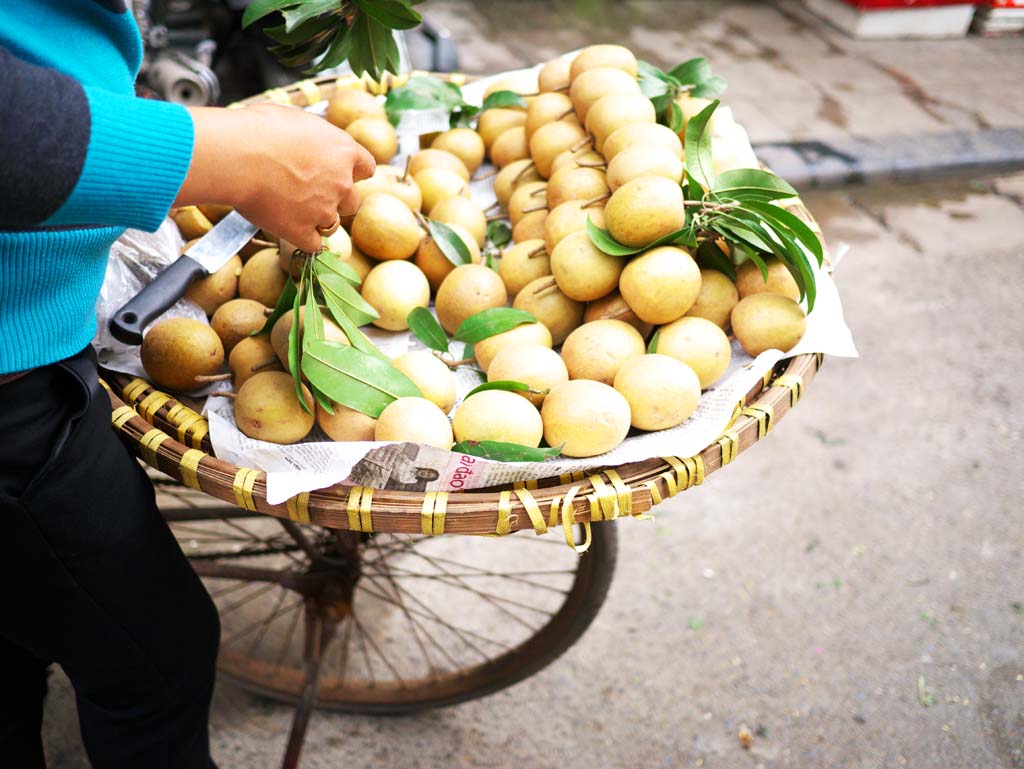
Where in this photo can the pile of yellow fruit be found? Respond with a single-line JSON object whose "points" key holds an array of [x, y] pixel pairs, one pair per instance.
{"points": [[638, 336]]}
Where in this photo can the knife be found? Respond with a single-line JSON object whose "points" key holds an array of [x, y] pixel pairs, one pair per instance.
{"points": [[209, 254]]}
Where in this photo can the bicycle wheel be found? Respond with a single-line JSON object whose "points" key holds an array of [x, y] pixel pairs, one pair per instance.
{"points": [[412, 622]]}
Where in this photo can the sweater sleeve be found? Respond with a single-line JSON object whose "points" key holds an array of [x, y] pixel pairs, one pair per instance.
{"points": [[73, 155]]}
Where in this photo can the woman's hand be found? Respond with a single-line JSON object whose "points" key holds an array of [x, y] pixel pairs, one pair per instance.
{"points": [[285, 170]]}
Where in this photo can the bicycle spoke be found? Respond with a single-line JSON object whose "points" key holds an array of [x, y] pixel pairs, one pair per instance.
{"points": [[264, 588], [376, 648], [262, 623]]}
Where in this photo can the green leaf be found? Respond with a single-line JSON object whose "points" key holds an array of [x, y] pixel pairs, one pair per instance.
{"points": [[505, 384], [499, 234], [259, 8], [801, 231], [710, 88], [450, 244], [698, 147], [424, 326], [487, 323], [606, 243], [391, 13], [421, 92], [355, 337], [354, 379], [655, 87], [303, 12], [652, 347], [303, 33], [312, 320], [711, 256], [328, 262], [337, 52], [675, 120], [503, 99], [505, 452], [284, 303], [692, 72], [342, 292], [469, 350], [752, 184], [295, 353], [323, 400]]}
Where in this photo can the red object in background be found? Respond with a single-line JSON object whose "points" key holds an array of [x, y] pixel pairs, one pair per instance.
{"points": [[877, 5], [1001, 3]]}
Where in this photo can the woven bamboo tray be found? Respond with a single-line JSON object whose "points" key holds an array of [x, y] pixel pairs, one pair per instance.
{"points": [[174, 438]]}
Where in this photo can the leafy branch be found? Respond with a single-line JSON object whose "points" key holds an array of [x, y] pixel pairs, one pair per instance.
{"points": [[692, 77], [739, 207], [321, 34], [431, 93]]}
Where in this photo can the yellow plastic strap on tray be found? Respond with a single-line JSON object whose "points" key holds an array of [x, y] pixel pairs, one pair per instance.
{"points": [[105, 385], [730, 443], [179, 413], [530, 483], [767, 378], [575, 475], [656, 497], [242, 485], [134, 389], [150, 442], [432, 513], [553, 512], [121, 415], [189, 465], [607, 503], [532, 509], [820, 357], [197, 429], [360, 501], [623, 493], [795, 383], [689, 471], [278, 96], [569, 518], [310, 90], [504, 526], [763, 415], [298, 507], [152, 404]]}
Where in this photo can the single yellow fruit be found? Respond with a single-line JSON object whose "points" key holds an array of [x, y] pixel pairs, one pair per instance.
{"points": [[585, 418], [467, 290], [603, 55], [545, 301], [645, 209], [615, 110], [435, 380], [662, 392], [614, 307], [527, 196], [377, 135], [192, 223], [214, 211], [177, 350], [642, 134], [768, 322], [569, 217], [464, 143], [494, 122], [415, 420], [536, 366], [350, 104], [438, 157], [530, 226], [237, 319], [554, 76], [584, 272], [394, 289], [498, 415], [523, 335], [385, 228], [465, 213], [581, 158], [523, 83], [717, 297], [638, 160], [698, 343], [523, 262], [251, 352], [392, 181], [511, 176], [596, 350], [262, 278], [213, 290], [577, 183], [510, 145], [435, 264], [591, 87], [551, 140], [547, 108], [439, 184], [750, 281], [267, 409], [346, 424], [661, 284]]}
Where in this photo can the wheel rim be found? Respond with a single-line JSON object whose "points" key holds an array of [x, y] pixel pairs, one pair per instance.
{"points": [[413, 622]]}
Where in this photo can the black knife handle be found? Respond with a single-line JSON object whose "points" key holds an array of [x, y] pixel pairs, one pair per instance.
{"points": [[169, 286]]}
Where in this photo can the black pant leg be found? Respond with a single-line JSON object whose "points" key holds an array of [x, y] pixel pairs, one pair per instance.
{"points": [[22, 690], [103, 588]]}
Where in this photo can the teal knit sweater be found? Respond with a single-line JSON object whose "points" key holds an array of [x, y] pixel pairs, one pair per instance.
{"points": [[81, 159]]}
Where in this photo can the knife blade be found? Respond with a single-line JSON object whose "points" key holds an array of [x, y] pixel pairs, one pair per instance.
{"points": [[209, 254]]}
